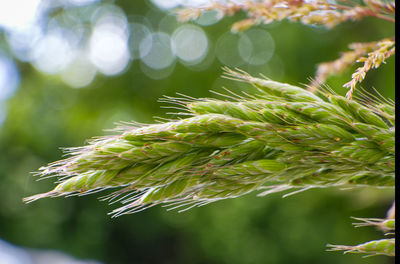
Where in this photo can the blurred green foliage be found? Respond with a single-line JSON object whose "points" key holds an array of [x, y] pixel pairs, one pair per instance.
{"points": [[45, 114]]}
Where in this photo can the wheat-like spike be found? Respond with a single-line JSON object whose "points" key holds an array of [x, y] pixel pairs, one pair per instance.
{"points": [[374, 247], [387, 225], [345, 61], [317, 12], [384, 49], [283, 138]]}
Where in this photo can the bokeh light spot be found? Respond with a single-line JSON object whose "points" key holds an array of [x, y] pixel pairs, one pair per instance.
{"points": [[227, 51], [138, 33], [208, 18], [9, 78], [17, 13], [82, 2], [256, 46], [190, 43], [53, 52], [109, 48], [79, 73], [166, 4], [160, 55], [23, 40]]}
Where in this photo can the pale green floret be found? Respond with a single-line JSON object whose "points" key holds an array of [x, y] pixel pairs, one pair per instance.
{"points": [[322, 112], [233, 109], [87, 181], [375, 247], [358, 111], [287, 91], [387, 225], [387, 112]]}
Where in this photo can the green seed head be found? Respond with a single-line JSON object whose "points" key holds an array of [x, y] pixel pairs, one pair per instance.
{"points": [[285, 137]]}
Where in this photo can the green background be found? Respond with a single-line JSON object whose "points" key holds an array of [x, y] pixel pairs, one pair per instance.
{"points": [[45, 114]]}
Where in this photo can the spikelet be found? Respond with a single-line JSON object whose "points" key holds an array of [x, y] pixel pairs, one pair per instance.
{"points": [[385, 49], [374, 247], [386, 225], [345, 61]]}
